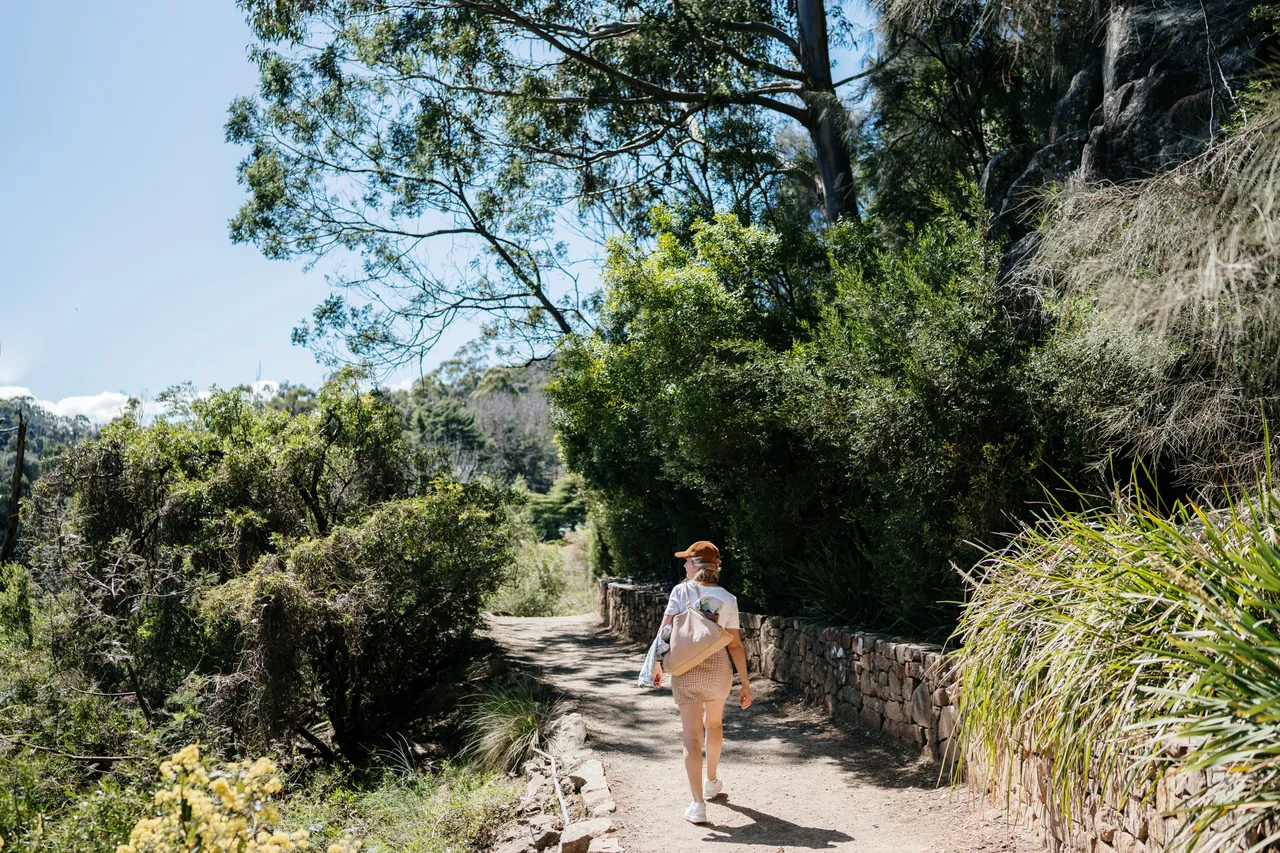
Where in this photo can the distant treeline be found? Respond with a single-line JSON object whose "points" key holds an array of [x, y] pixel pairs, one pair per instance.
{"points": [[48, 436], [484, 420]]}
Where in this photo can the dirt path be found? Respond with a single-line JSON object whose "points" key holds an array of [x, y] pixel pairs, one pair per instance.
{"points": [[793, 781]]}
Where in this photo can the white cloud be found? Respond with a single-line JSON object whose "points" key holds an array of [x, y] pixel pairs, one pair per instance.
{"points": [[98, 408]]}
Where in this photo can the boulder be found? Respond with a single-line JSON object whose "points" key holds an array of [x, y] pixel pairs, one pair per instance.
{"points": [[587, 775], [568, 734], [519, 845], [608, 844], [576, 837], [533, 788], [599, 803], [543, 831], [947, 722], [1147, 100]]}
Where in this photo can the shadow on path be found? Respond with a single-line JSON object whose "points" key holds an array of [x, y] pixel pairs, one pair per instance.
{"points": [[797, 781], [766, 829]]}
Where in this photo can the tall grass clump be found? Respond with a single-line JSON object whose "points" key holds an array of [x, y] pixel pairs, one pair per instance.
{"points": [[1165, 300], [1117, 645], [508, 718]]}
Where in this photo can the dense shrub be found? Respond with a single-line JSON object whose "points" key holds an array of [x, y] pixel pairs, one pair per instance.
{"points": [[795, 402], [456, 810], [371, 615], [508, 718], [564, 506], [536, 584], [305, 564]]}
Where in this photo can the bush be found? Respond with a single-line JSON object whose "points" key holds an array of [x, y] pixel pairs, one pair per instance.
{"points": [[265, 569], [229, 808], [457, 810], [507, 719], [794, 400], [536, 584], [1098, 639], [563, 507], [372, 616]]}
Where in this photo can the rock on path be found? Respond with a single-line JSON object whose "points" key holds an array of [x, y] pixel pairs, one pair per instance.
{"points": [[792, 780]]}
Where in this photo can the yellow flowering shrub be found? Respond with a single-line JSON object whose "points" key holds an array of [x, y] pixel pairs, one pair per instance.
{"points": [[228, 810]]}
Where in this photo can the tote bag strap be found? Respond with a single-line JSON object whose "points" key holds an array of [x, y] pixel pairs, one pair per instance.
{"points": [[693, 594]]}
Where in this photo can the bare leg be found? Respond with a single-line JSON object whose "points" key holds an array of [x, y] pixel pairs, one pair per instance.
{"points": [[691, 720], [715, 737]]}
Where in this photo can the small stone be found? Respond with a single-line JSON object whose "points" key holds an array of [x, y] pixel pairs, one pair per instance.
{"points": [[921, 706], [568, 733], [534, 786], [598, 802], [947, 722], [519, 845], [608, 844], [544, 832], [576, 837]]}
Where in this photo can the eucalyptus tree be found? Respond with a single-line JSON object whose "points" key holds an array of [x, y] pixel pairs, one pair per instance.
{"points": [[449, 144]]}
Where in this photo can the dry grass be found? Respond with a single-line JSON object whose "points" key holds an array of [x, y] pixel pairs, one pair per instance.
{"points": [[1184, 265]]}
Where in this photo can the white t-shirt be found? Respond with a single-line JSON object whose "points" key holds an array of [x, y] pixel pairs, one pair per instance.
{"points": [[684, 593]]}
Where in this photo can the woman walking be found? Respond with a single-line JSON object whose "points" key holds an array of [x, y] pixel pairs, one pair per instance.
{"points": [[700, 693]]}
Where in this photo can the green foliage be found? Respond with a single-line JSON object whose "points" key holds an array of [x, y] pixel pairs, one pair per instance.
{"points": [[304, 564], [492, 420], [456, 810], [48, 437], [537, 584], [564, 506], [496, 123], [1163, 296], [371, 616], [794, 401], [16, 592], [1099, 640], [49, 801], [508, 718]]}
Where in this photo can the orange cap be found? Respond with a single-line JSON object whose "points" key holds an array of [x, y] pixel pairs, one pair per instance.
{"points": [[703, 551]]}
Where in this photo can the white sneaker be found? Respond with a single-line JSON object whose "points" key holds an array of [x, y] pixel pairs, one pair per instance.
{"points": [[696, 813], [712, 788]]}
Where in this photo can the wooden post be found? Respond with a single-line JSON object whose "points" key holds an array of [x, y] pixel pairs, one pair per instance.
{"points": [[11, 533]]}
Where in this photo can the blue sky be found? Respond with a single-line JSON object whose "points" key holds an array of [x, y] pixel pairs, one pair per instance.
{"points": [[119, 278]]}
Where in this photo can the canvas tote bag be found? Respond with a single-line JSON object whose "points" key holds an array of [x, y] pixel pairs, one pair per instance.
{"points": [[694, 638]]}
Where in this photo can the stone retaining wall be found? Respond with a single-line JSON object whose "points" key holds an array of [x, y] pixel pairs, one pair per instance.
{"points": [[874, 681], [904, 690]]}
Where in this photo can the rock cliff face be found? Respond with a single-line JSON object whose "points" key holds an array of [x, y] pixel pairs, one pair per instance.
{"points": [[1166, 76]]}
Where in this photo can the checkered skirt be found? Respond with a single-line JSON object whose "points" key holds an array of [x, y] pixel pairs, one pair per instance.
{"points": [[709, 681]]}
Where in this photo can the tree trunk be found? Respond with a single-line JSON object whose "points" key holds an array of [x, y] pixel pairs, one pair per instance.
{"points": [[828, 119], [11, 531]]}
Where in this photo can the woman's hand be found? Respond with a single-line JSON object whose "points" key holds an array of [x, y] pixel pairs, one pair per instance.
{"points": [[657, 676], [744, 696]]}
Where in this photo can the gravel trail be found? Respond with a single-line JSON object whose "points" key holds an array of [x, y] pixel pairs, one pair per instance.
{"points": [[793, 781]]}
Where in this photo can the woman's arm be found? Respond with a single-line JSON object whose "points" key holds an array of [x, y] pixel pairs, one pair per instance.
{"points": [[739, 655], [657, 664]]}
